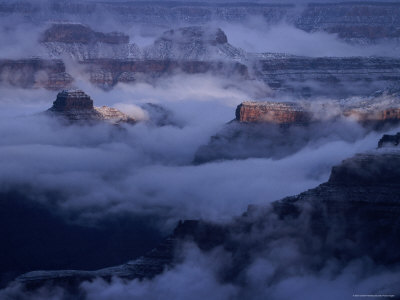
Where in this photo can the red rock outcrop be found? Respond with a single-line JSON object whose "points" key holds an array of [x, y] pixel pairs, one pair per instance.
{"points": [[272, 112], [364, 112]]}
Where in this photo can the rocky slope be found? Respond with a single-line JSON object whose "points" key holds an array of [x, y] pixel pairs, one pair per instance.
{"points": [[353, 215], [75, 105]]}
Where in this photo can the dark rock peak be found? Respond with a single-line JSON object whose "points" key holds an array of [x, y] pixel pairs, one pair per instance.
{"points": [[193, 34], [72, 100], [389, 140], [79, 33]]}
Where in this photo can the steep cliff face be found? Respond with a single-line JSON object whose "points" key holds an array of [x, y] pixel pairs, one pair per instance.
{"points": [[272, 112], [365, 110], [75, 105], [32, 73]]}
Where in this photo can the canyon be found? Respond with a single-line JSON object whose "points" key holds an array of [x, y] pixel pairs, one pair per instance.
{"points": [[361, 191], [355, 21], [106, 59]]}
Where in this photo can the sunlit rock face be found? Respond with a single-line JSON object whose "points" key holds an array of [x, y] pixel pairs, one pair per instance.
{"points": [[75, 105], [365, 110], [272, 112]]}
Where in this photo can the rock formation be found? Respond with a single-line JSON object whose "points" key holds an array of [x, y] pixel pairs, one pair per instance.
{"points": [[279, 129], [75, 105], [353, 215], [365, 110], [272, 112]]}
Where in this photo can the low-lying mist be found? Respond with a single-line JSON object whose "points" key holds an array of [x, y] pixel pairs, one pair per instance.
{"points": [[146, 169]]}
